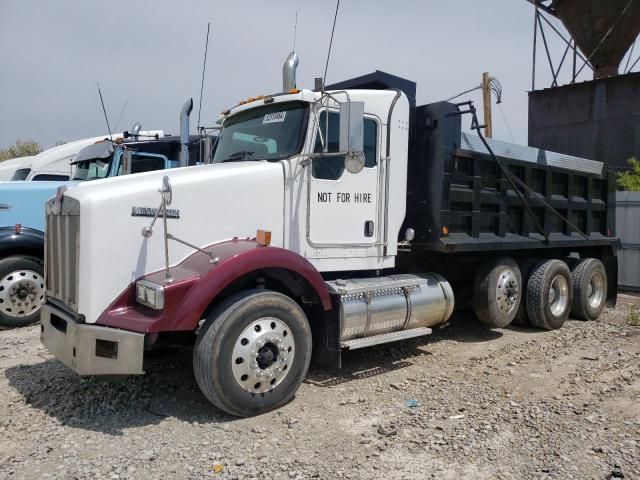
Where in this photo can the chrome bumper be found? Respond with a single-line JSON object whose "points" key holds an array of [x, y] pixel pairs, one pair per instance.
{"points": [[89, 349]]}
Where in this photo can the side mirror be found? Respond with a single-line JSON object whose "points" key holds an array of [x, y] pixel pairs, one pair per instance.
{"points": [[352, 135], [127, 159], [351, 126]]}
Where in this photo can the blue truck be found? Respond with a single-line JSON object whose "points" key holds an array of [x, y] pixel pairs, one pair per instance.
{"points": [[22, 215]]}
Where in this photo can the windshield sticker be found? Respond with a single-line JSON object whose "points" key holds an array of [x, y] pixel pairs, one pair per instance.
{"points": [[274, 117]]}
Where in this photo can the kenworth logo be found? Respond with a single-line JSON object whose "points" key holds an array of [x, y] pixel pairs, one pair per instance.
{"points": [[152, 212]]}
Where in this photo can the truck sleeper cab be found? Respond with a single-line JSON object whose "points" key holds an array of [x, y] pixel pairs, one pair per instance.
{"points": [[334, 220]]}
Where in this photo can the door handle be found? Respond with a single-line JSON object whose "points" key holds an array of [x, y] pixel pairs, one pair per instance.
{"points": [[368, 228]]}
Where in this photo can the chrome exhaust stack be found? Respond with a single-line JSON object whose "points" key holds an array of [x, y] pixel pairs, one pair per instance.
{"points": [[289, 72], [185, 111]]}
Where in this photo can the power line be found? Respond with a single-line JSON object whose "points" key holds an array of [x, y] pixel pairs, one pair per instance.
{"points": [[464, 93], [504, 117]]}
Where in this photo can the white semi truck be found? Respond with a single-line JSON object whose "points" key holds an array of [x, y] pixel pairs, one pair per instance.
{"points": [[330, 220]]}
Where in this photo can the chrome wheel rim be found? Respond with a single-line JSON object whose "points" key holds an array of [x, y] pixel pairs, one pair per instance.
{"points": [[21, 293], [507, 292], [263, 355], [595, 290], [558, 295]]}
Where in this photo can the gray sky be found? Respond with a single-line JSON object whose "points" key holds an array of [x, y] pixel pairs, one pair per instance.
{"points": [[53, 52]]}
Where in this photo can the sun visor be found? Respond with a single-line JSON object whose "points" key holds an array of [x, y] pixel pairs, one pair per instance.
{"points": [[95, 151]]}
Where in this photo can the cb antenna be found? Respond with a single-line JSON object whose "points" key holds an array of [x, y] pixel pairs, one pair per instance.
{"points": [[295, 32], [326, 66], [104, 110], [204, 67], [124, 107]]}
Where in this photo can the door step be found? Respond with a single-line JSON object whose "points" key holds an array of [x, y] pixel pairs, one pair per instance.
{"points": [[385, 338]]}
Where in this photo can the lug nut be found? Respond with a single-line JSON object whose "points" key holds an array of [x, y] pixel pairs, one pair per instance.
{"points": [[253, 364]]}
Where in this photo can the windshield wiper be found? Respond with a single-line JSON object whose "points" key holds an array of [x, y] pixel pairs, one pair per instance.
{"points": [[242, 155]]}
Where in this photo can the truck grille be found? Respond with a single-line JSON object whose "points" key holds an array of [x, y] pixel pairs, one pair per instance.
{"points": [[61, 256]]}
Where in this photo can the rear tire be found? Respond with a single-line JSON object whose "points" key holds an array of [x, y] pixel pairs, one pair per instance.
{"points": [[252, 353], [589, 289], [549, 294], [22, 291], [497, 292], [526, 267]]}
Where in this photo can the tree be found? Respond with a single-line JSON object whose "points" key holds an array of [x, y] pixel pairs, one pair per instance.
{"points": [[630, 180], [21, 148]]}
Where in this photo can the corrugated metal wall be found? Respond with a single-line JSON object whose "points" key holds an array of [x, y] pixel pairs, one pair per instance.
{"points": [[628, 230]]}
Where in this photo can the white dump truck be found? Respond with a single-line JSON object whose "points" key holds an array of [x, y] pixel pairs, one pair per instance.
{"points": [[330, 220]]}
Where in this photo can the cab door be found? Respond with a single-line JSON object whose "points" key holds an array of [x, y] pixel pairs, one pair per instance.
{"points": [[343, 206]]}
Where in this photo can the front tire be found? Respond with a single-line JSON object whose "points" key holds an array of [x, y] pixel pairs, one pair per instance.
{"points": [[22, 291], [253, 353]]}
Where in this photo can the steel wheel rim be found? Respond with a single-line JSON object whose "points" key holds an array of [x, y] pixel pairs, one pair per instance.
{"points": [[507, 292], [595, 291], [558, 295], [21, 293], [262, 355]]}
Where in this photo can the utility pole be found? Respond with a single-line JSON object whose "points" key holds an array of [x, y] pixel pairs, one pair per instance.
{"points": [[486, 100]]}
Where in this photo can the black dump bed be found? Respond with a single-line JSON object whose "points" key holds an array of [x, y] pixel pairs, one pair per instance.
{"points": [[459, 200]]}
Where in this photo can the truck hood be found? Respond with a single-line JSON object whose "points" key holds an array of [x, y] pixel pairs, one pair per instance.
{"points": [[24, 202], [211, 204]]}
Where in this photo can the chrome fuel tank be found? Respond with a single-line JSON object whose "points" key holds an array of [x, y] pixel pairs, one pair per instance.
{"points": [[376, 306]]}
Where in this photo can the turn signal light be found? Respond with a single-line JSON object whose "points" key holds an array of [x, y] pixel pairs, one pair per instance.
{"points": [[263, 237], [445, 231], [293, 91]]}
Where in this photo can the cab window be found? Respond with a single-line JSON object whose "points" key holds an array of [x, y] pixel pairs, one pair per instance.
{"points": [[331, 167], [141, 163], [48, 177]]}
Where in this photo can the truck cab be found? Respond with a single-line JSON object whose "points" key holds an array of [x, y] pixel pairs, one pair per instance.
{"points": [[9, 167], [22, 220], [329, 220]]}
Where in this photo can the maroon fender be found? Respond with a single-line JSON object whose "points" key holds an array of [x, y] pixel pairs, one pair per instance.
{"points": [[196, 282]]}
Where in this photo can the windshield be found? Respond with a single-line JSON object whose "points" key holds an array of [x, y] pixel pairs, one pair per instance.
{"points": [[21, 174], [92, 169], [273, 132]]}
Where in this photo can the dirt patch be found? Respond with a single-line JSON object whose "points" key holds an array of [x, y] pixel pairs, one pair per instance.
{"points": [[465, 403]]}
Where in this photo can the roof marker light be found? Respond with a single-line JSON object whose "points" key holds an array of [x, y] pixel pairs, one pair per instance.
{"points": [[263, 237]]}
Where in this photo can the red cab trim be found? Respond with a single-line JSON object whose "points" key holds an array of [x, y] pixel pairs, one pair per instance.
{"points": [[196, 282]]}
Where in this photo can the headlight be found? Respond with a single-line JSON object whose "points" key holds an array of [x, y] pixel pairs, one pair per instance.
{"points": [[150, 294]]}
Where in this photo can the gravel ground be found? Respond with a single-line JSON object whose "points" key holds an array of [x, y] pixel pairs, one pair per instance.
{"points": [[465, 403]]}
